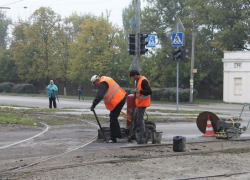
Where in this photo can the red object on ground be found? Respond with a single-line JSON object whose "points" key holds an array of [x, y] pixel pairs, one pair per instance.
{"points": [[209, 129], [130, 108]]}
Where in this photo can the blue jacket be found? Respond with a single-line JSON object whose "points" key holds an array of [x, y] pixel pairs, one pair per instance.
{"points": [[50, 89]]}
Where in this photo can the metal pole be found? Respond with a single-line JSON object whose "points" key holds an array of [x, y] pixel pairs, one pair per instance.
{"points": [[177, 77], [137, 35], [137, 52], [99, 125], [177, 86], [192, 63]]}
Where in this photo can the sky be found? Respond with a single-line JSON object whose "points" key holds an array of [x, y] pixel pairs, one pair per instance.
{"points": [[24, 8]]}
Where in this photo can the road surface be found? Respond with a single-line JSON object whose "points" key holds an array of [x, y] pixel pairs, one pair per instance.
{"points": [[169, 130]]}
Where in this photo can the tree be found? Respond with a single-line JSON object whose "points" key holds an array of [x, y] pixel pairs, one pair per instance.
{"points": [[127, 14], [100, 49], [4, 24], [34, 47], [8, 68], [7, 65], [220, 25]]}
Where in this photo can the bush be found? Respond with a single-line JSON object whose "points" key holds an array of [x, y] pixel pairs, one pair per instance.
{"points": [[6, 87], [128, 90], [93, 92], [164, 94], [25, 88], [169, 94]]}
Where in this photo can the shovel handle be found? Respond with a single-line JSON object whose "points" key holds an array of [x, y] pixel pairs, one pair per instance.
{"points": [[99, 125]]}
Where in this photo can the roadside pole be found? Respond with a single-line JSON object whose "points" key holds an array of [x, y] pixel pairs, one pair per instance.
{"points": [[192, 64], [137, 36], [178, 41], [177, 78]]}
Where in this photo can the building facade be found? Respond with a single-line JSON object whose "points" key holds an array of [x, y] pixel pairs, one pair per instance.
{"points": [[236, 78]]}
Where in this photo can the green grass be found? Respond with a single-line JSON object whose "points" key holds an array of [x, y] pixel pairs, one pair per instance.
{"points": [[207, 101], [174, 111], [11, 117], [60, 120], [31, 116], [14, 105], [237, 150], [102, 118]]}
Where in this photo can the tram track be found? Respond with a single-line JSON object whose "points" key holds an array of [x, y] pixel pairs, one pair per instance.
{"points": [[120, 156], [124, 158], [39, 134], [25, 167]]}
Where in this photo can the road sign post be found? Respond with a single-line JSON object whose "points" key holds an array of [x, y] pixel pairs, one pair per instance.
{"points": [[177, 41]]}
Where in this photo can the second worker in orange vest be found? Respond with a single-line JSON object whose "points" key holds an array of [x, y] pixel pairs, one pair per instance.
{"points": [[114, 99], [142, 101]]}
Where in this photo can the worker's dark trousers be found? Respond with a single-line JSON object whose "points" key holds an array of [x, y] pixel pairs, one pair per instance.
{"points": [[138, 124], [115, 131], [50, 102]]}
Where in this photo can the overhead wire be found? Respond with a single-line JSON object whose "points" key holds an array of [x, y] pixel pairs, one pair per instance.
{"points": [[59, 2], [11, 3]]}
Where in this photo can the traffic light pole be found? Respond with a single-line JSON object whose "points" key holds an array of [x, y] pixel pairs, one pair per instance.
{"points": [[137, 36], [177, 77]]}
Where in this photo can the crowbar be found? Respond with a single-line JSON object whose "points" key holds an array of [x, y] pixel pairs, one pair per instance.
{"points": [[99, 125]]}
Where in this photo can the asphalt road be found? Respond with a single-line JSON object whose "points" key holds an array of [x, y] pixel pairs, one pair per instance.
{"points": [[43, 102], [224, 109]]}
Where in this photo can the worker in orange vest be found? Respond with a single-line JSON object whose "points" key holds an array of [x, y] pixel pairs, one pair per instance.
{"points": [[142, 101], [114, 99]]}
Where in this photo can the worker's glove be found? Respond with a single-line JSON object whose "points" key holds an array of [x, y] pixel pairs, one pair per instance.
{"points": [[92, 108], [136, 90]]}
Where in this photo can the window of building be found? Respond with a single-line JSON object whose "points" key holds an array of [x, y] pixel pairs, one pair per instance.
{"points": [[237, 86], [237, 65]]}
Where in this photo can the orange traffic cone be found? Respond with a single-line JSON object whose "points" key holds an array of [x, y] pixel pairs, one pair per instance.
{"points": [[209, 129]]}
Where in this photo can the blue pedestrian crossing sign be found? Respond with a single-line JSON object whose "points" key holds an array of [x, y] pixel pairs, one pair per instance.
{"points": [[151, 41], [177, 39]]}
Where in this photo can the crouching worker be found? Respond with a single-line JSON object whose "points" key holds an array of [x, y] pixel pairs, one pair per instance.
{"points": [[114, 99], [142, 101]]}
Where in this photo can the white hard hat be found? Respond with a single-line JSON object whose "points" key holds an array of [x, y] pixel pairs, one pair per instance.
{"points": [[94, 78]]}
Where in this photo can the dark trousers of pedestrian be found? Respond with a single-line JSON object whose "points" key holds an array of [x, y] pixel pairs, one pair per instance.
{"points": [[115, 131], [50, 102], [80, 95], [138, 124]]}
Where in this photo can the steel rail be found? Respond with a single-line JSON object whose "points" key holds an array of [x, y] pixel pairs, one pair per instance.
{"points": [[215, 175], [47, 128], [18, 168], [126, 160]]}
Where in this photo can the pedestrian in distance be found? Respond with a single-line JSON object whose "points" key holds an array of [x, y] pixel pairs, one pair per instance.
{"points": [[142, 101], [114, 99], [52, 94], [80, 92]]}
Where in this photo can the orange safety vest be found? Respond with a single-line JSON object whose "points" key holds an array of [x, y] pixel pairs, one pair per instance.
{"points": [[141, 100], [114, 94]]}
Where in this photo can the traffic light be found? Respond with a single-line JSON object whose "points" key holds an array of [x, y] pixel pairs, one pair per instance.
{"points": [[184, 54], [177, 54], [143, 43], [131, 44]]}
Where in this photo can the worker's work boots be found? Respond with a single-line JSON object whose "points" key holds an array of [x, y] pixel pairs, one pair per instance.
{"points": [[141, 138]]}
